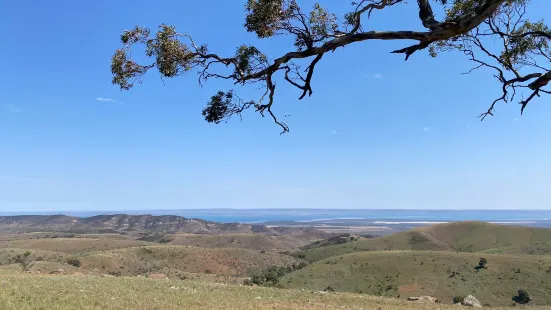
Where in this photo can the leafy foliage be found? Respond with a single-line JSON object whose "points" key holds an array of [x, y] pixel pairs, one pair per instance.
{"points": [[470, 27]]}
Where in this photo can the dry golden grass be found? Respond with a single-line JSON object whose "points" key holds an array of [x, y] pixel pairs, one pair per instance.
{"points": [[73, 245], [178, 259], [27, 291], [244, 241]]}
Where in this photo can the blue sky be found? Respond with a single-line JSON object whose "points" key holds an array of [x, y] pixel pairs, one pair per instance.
{"points": [[377, 133]]}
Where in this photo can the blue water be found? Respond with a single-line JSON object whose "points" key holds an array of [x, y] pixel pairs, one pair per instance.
{"points": [[263, 215]]}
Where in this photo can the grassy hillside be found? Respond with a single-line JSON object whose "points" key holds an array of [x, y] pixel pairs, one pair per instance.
{"points": [[73, 245], [27, 291], [460, 236], [176, 260], [244, 241], [441, 274], [537, 248]]}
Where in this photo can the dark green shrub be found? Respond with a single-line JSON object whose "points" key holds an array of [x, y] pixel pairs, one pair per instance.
{"points": [[73, 261], [458, 299], [482, 263], [522, 297], [299, 255]]}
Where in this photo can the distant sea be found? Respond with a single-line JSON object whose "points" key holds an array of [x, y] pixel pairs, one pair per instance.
{"points": [[382, 216]]}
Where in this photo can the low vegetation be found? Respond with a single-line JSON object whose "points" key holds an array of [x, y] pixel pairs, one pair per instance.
{"points": [[24, 260], [443, 261], [457, 237], [24, 291], [445, 275], [271, 275]]}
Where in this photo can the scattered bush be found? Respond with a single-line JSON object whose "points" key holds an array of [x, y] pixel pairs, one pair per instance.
{"points": [[73, 261], [299, 255], [262, 252], [458, 299], [147, 251], [482, 263], [329, 289], [24, 260], [522, 297], [247, 282], [270, 276]]}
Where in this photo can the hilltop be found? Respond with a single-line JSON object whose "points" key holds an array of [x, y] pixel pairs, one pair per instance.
{"points": [[457, 237]]}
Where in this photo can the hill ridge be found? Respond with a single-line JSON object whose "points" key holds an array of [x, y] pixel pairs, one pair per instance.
{"points": [[132, 224]]}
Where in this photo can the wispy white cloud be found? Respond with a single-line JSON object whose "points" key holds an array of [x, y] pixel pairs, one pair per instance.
{"points": [[109, 100], [373, 76], [427, 129], [21, 179], [11, 108], [377, 76], [333, 131]]}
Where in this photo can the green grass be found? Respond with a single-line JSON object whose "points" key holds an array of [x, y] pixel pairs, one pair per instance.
{"points": [[460, 236], [27, 291], [441, 274], [537, 248]]}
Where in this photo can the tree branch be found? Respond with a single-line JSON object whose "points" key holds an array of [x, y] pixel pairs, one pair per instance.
{"points": [[426, 15], [315, 35]]}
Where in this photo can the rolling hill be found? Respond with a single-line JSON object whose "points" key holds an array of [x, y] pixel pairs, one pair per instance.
{"points": [[456, 237], [441, 274]]}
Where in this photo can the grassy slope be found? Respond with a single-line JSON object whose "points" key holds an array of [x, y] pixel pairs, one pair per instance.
{"points": [[73, 245], [244, 241], [461, 236], [25, 291], [176, 259], [537, 248], [408, 273]]}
